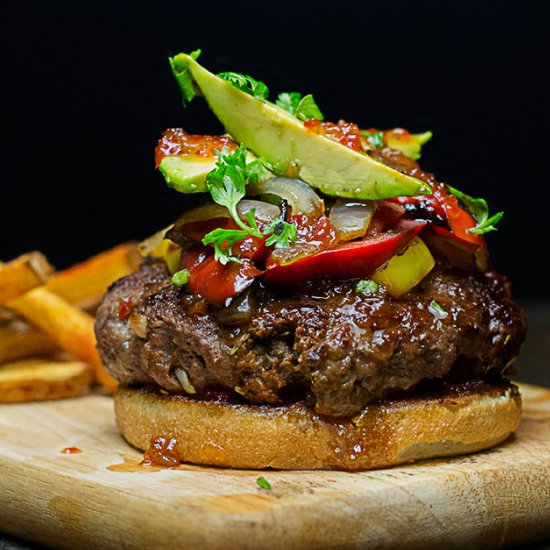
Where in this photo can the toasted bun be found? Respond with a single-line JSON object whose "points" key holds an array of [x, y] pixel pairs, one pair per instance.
{"points": [[293, 437]]}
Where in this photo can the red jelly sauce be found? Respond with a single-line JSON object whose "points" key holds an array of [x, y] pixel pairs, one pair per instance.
{"points": [[176, 141], [346, 133], [162, 452], [124, 308], [312, 236]]}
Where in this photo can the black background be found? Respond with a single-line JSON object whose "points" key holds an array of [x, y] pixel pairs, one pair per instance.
{"points": [[87, 91]]}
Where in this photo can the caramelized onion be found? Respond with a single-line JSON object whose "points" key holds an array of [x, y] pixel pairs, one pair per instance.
{"points": [[138, 323], [297, 193], [264, 212], [351, 219], [238, 312], [202, 213], [183, 378]]}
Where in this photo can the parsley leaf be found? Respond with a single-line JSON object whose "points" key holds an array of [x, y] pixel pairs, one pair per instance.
{"points": [[289, 101], [180, 278], [303, 108], [227, 183], [255, 170], [375, 139], [307, 108], [263, 483], [479, 209], [283, 234], [255, 88], [183, 76], [227, 186], [223, 241], [436, 310], [367, 287]]}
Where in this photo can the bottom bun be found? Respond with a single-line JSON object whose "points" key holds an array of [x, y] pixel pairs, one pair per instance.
{"points": [[222, 433]]}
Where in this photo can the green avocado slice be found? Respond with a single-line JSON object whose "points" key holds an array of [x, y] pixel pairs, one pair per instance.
{"points": [[279, 137], [186, 174]]}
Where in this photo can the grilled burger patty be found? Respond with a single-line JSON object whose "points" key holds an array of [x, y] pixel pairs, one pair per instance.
{"points": [[322, 339]]}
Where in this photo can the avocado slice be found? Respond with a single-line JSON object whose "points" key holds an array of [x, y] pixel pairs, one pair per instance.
{"points": [[187, 173], [271, 132]]}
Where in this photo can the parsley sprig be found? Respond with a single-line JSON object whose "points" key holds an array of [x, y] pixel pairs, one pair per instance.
{"points": [[367, 287], [255, 88], [303, 108], [436, 310], [227, 186], [283, 234], [479, 209], [262, 483], [375, 139]]}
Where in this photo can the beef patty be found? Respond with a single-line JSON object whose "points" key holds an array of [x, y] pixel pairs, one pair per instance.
{"points": [[322, 339]]}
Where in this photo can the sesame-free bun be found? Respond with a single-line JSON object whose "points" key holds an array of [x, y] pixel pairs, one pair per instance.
{"points": [[221, 433]]}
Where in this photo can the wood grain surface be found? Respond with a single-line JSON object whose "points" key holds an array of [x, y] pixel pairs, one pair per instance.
{"points": [[102, 498]]}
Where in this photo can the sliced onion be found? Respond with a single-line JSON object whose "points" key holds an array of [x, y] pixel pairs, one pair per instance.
{"points": [[203, 213], [183, 378], [238, 312], [138, 323], [351, 219], [264, 212], [299, 195]]}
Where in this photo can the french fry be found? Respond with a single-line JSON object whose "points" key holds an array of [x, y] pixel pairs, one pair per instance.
{"points": [[15, 345], [71, 328], [38, 380], [89, 280], [22, 274]]}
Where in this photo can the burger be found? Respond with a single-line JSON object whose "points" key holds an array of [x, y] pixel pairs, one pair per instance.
{"points": [[325, 303]]}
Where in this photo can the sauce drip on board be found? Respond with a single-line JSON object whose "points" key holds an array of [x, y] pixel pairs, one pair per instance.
{"points": [[70, 450], [162, 452]]}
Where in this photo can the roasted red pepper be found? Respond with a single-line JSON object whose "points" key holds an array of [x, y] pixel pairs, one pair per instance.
{"points": [[351, 260], [215, 282], [252, 248], [218, 283], [443, 210]]}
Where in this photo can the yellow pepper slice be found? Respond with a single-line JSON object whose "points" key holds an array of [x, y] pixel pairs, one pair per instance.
{"points": [[158, 247], [405, 270]]}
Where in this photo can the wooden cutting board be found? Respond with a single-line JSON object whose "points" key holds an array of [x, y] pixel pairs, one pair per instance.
{"points": [[102, 498]]}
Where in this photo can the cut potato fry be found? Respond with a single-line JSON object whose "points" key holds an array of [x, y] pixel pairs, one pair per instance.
{"points": [[68, 326], [15, 345], [49, 304], [87, 281], [39, 380], [22, 274]]}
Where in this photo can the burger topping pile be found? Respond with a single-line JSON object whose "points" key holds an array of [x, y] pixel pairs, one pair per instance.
{"points": [[290, 197]]}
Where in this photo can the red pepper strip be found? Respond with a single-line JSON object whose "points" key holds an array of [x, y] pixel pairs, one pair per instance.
{"points": [[460, 221], [193, 257], [253, 248], [385, 217], [442, 207], [355, 259], [460, 253], [218, 283]]}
